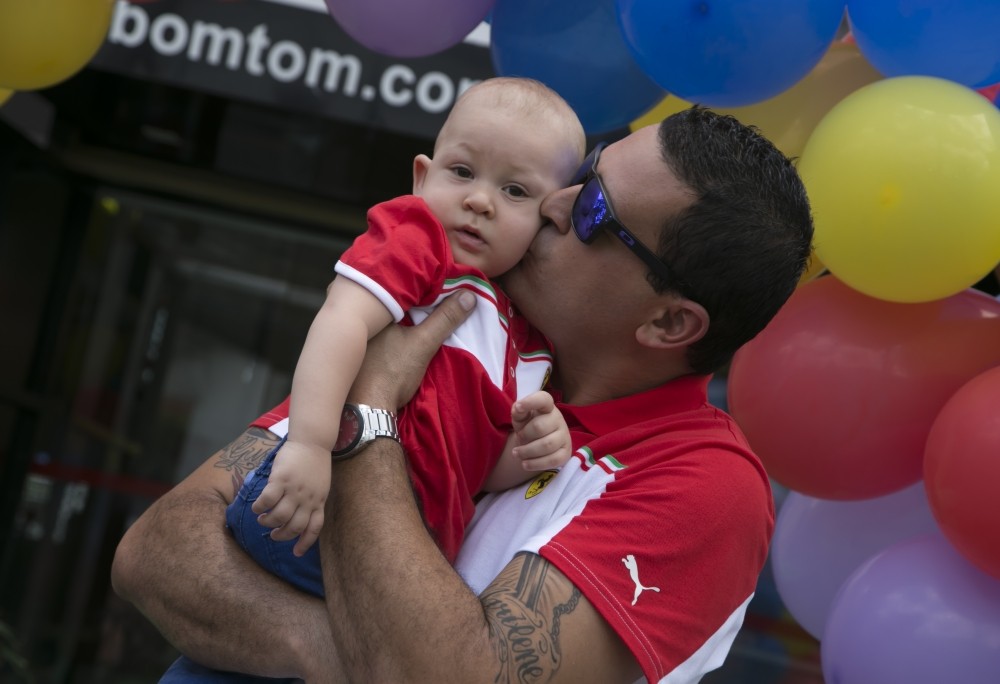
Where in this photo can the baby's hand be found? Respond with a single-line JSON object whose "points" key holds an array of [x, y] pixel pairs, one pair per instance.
{"points": [[542, 434], [293, 499]]}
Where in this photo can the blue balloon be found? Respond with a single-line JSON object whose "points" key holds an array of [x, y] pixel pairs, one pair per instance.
{"points": [[728, 53], [957, 40], [575, 48]]}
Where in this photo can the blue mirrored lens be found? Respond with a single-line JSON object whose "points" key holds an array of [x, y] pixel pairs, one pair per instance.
{"points": [[589, 210], [587, 165]]}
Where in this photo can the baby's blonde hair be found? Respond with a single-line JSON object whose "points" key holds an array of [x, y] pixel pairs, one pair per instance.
{"points": [[529, 98]]}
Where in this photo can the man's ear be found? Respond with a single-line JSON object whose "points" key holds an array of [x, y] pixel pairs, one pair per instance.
{"points": [[680, 323], [420, 165]]}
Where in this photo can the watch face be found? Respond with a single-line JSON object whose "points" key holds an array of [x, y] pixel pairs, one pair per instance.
{"points": [[350, 430]]}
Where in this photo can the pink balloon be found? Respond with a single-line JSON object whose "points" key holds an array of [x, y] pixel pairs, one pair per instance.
{"points": [[818, 543], [917, 613], [409, 28], [962, 470], [838, 393]]}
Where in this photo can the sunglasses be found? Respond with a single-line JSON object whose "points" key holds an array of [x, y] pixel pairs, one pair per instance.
{"points": [[592, 211]]}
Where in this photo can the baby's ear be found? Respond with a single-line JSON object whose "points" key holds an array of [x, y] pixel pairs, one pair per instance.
{"points": [[420, 165]]}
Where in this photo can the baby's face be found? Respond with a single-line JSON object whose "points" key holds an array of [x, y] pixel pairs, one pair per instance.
{"points": [[491, 170]]}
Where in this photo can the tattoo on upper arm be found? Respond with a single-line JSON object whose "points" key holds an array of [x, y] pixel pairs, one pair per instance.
{"points": [[524, 609], [245, 453]]}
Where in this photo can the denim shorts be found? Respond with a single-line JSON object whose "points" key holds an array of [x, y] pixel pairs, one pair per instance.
{"points": [[186, 671], [274, 556]]}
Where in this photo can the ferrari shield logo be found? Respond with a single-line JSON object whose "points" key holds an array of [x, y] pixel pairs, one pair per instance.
{"points": [[540, 483]]}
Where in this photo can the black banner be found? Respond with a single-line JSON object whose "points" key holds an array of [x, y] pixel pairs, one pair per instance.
{"points": [[286, 57]]}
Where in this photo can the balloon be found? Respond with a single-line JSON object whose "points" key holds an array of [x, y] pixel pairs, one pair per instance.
{"points": [[671, 104], [903, 176], [990, 92], [575, 48], [408, 28], [962, 470], [955, 40], [5, 95], [789, 118], [818, 543], [838, 393], [916, 613], [43, 42], [813, 270], [728, 54]]}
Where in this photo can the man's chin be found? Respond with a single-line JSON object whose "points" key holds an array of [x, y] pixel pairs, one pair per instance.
{"points": [[502, 278], [518, 286]]}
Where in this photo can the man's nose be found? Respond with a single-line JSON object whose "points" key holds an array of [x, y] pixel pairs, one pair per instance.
{"points": [[557, 207]]}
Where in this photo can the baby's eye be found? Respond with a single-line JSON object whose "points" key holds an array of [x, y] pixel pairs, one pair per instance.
{"points": [[516, 191], [462, 171]]}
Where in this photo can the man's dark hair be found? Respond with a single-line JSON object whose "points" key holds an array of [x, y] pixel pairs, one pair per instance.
{"points": [[741, 246]]}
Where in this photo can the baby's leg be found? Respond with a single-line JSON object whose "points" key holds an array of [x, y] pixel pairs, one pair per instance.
{"points": [[274, 556]]}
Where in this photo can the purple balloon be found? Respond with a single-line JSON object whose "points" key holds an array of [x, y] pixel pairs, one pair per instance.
{"points": [[917, 613], [409, 28], [818, 543]]}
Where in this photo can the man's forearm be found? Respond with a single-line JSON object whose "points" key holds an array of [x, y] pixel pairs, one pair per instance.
{"points": [[380, 607], [401, 614], [398, 611], [180, 566]]}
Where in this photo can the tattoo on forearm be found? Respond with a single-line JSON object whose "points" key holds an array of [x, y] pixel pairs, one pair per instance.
{"points": [[245, 453], [524, 616]]}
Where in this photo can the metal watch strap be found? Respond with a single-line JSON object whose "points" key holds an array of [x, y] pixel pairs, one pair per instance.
{"points": [[375, 423], [383, 423]]}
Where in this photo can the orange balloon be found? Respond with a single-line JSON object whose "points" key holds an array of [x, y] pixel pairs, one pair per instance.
{"points": [[43, 42], [789, 118], [838, 393]]}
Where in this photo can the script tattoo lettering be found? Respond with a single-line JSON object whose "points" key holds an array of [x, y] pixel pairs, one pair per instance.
{"points": [[524, 616], [245, 453]]}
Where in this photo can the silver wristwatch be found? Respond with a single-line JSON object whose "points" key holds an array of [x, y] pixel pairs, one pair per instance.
{"points": [[360, 425]]}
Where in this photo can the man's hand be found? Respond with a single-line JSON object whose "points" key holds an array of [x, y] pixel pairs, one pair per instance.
{"points": [[542, 435], [397, 357], [294, 498]]}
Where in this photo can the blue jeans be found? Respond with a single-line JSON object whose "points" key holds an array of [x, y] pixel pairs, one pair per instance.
{"points": [[274, 556]]}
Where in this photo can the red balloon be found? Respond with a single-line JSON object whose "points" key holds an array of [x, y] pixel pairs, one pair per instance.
{"points": [[962, 470], [837, 394]]}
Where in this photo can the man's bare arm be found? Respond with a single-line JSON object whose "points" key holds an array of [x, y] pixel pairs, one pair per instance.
{"points": [[180, 566], [399, 612]]}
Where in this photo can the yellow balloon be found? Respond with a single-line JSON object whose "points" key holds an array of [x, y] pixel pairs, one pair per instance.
{"points": [[904, 180], [667, 106], [5, 95], [814, 268], [789, 118], [43, 42]]}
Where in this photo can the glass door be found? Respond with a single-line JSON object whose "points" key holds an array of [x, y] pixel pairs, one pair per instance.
{"points": [[179, 324]]}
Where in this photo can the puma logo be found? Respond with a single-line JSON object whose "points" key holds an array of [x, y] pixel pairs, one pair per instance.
{"points": [[633, 571]]}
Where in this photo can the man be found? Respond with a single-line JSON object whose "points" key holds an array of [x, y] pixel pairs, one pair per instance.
{"points": [[639, 558]]}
